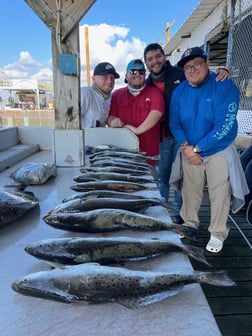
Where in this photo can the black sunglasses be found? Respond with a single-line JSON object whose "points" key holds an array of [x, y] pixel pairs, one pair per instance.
{"points": [[137, 72]]}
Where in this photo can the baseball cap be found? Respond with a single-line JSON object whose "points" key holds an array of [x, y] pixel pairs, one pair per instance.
{"points": [[135, 64], [105, 68], [190, 54]]}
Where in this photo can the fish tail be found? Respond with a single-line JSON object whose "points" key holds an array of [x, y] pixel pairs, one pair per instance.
{"points": [[218, 278], [167, 205], [187, 231], [195, 253], [151, 188]]}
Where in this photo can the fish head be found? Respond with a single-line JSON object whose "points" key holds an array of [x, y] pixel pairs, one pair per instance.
{"points": [[49, 249], [43, 285]]}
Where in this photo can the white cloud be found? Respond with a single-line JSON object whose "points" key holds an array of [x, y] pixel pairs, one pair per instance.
{"points": [[109, 44], [25, 67], [44, 74], [106, 43]]}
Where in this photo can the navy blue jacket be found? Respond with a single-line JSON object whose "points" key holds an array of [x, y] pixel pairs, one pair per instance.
{"points": [[173, 77]]}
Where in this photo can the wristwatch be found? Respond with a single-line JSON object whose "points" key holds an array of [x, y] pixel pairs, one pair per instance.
{"points": [[196, 149]]}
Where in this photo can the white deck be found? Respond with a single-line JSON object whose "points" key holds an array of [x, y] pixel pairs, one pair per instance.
{"points": [[185, 314]]}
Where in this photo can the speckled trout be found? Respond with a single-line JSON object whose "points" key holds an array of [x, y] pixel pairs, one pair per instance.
{"points": [[97, 176], [78, 250], [118, 169], [15, 203], [111, 193], [104, 220], [111, 185], [136, 205], [138, 156], [94, 283]]}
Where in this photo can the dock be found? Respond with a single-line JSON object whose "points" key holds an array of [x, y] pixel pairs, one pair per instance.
{"points": [[231, 307]]}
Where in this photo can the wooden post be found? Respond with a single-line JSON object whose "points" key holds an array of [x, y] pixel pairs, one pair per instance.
{"points": [[87, 55], [62, 18], [66, 87]]}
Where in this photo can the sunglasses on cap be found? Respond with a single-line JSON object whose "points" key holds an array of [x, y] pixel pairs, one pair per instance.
{"points": [[137, 72]]}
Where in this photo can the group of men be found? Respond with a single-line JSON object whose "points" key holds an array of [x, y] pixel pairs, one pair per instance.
{"points": [[186, 114]]}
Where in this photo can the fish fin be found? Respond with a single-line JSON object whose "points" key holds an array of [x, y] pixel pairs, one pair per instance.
{"points": [[196, 253], [135, 303], [166, 205], [217, 278]]}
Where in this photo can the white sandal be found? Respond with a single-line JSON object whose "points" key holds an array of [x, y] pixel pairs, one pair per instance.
{"points": [[214, 245]]}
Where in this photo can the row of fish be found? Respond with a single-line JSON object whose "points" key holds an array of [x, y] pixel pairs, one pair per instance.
{"points": [[110, 205], [100, 206]]}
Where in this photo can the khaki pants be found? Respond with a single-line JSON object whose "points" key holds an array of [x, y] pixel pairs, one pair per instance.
{"points": [[214, 174]]}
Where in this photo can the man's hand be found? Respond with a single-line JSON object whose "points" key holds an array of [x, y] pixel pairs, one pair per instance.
{"points": [[194, 158], [222, 75], [116, 122]]}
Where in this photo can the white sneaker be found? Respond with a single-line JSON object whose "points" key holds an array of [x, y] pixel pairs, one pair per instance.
{"points": [[214, 245]]}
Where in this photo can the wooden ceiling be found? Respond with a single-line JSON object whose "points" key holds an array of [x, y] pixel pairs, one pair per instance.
{"points": [[71, 12]]}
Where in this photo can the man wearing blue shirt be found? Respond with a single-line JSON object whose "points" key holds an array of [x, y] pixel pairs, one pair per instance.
{"points": [[203, 121]]}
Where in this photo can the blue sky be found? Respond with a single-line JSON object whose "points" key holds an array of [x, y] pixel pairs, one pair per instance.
{"points": [[118, 30]]}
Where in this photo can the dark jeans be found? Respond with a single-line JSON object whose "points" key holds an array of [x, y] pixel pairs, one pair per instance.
{"points": [[168, 149], [246, 161]]}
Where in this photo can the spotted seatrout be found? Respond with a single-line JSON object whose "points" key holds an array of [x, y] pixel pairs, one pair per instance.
{"points": [[104, 220], [110, 185], [78, 250], [94, 283], [136, 205], [97, 176], [110, 193], [14, 204]]}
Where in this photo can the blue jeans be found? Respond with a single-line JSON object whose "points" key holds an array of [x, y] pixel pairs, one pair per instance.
{"points": [[167, 150]]}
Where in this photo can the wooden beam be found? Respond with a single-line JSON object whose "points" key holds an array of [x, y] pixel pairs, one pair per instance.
{"points": [[71, 13]]}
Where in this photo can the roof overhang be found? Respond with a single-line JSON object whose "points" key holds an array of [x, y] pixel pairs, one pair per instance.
{"points": [[199, 14], [71, 12]]}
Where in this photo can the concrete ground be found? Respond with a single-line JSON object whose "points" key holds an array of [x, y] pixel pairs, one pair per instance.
{"points": [[186, 314]]}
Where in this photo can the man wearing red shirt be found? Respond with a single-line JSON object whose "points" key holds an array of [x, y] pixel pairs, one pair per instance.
{"points": [[138, 107]]}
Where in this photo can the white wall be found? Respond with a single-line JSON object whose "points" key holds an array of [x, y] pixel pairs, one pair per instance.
{"points": [[198, 35]]}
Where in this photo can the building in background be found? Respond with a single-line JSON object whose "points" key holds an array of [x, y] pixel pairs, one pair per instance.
{"points": [[223, 29], [25, 94]]}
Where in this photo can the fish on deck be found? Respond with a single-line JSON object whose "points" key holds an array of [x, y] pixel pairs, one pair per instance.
{"points": [[136, 205], [15, 203], [94, 283], [78, 250], [110, 193], [124, 164], [96, 176], [105, 220], [117, 169], [110, 185], [138, 156], [131, 163]]}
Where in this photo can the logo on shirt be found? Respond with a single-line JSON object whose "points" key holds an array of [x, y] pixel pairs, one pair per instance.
{"points": [[232, 107]]}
